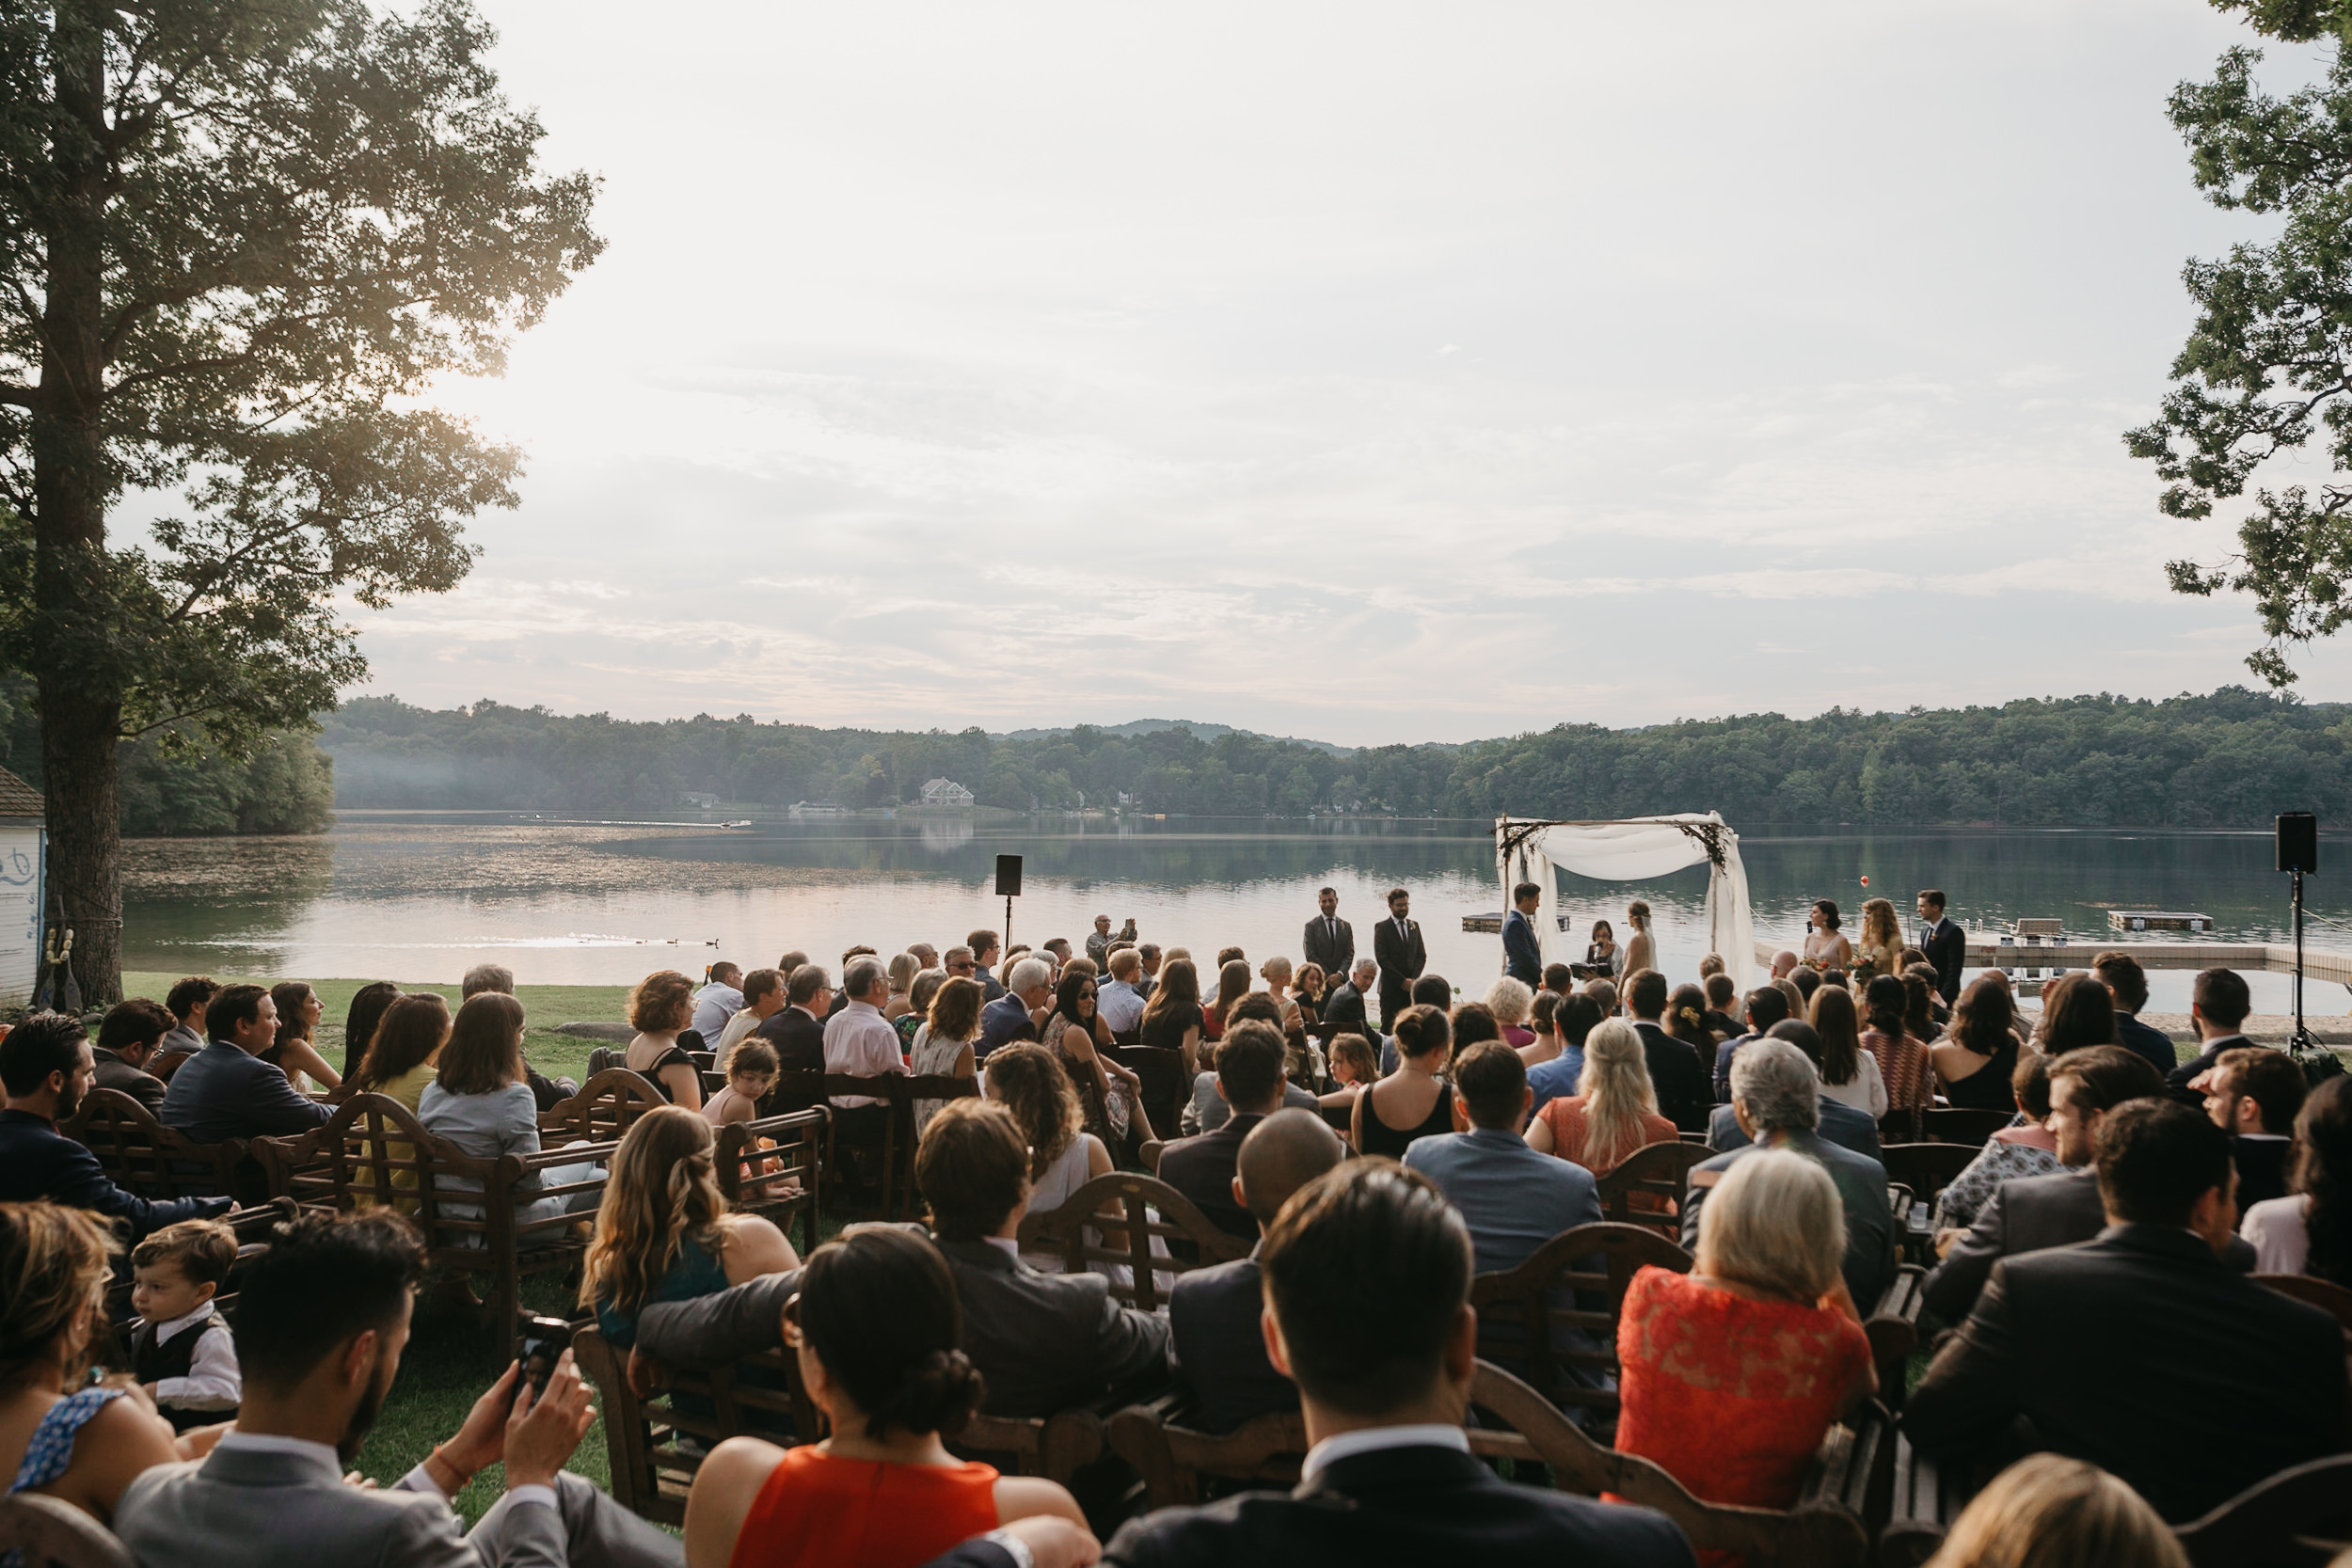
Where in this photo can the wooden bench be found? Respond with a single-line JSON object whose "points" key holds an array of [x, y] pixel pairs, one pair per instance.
{"points": [[1173, 1456], [350, 1164], [756, 1158], [53, 1534], [141, 1155], [1893, 1330], [885, 1143], [2300, 1517], [1146, 1208], [654, 1447], [903, 1094], [1661, 1170], [1924, 1495], [1927, 1169], [1528, 1299], [2324, 1293], [607, 1106]]}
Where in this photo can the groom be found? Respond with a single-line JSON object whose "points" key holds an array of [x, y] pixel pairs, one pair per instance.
{"points": [[1945, 944], [1522, 953]]}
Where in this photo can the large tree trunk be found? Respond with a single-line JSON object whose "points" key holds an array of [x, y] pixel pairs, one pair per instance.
{"points": [[77, 752]]}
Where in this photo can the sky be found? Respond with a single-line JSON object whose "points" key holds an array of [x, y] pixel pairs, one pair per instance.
{"points": [[1361, 371]]}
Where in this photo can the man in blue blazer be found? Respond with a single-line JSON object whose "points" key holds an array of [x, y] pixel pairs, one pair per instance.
{"points": [[225, 1091], [1522, 953]]}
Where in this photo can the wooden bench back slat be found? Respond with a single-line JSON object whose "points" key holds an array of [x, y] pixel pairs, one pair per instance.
{"points": [[141, 1155], [1662, 1170], [1135, 1198], [605, 1108], [1523, 1301]]}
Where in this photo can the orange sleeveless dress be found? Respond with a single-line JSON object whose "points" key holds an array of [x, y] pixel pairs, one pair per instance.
{"points": [[819, 1511]]}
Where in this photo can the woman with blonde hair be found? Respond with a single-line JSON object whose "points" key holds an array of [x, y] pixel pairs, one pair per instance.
{"points": [[1509, 1000], [1734, 1371], [1881, 949], [659, 1008], [1850, 1074], [903, 969], [1614, 1111], [1031, 1083], [1640, 948], [2050, 1511]]}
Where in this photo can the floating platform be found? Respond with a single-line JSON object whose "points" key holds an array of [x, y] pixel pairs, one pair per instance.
{"points": [[1492, 924], [2157, 920]]}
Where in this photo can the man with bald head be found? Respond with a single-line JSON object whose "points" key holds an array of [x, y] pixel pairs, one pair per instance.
{"points": [[1212, 1314]]}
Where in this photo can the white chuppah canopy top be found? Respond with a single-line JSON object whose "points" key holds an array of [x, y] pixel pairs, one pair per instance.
{"points": [[1526, 849]]}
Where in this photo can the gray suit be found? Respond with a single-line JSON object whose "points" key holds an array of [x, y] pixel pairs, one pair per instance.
{"points": [[1862, 1190], [1330, 943], [243, 1508]]}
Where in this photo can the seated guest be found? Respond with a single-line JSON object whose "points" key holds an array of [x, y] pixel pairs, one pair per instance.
{"points": [[368, 1004], [1208, 1110], [182, 1353], [1044, 1343], [945, 1044], [1841, 1124], [1684, 1097], [751, 1075], [860, 1043], [479, 1101], [1686, 1020], [1354, 1070], [1766, 1006], [1850, 1075], [2128, 985], [1250, 1080], [45, 1066], [719, 999], [1722, 997], [2044, 1511], [1734, 1371], [2010, 1154], [1977, 1056], [878, 1338], [1433, 990], [1120, 1004], [1172, 1016], [798, 1030], [1414, 1101], [2076, 1011], [1384, 1390], [1614, 1111], [1514, 1198], [127, 1042], [225, 1090], [2253, 1094], [1213, 1312], [1776, 1098], [547, 1092], [1902, 1058], [763, 998], [2310, 1230], [1543, 1029], [661, 1006], [322, 1320], [1015, 1015], [1510, 1000], [2059, 1210], [53, 1322], [295, 1052], [1345, 1009], [2207, 1349], [1029, 1081], [186, 1002], [1574, 1018], [2218, 1003], [402, 1060]]}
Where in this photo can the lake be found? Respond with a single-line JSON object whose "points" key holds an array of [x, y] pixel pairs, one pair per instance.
{"points": [[422, 895]]}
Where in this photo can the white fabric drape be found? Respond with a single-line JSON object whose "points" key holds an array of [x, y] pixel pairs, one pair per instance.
{"points": [[1632, 851]]}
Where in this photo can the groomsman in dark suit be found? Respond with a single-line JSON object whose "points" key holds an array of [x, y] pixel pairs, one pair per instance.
{"points": [[1329, 941], [1522, 955], [1945, 944], [1397, 948]]}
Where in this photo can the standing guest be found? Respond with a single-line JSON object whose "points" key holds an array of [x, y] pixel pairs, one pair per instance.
{"points": [[1401, 954], [946, 1045], [1684, 1097], [127, 1041], [547, 1092], [402, 1062], [182, 1353], [1250, 1080], [1824, 947], [752, 1073], [903, 969], [2253, 1094], [2310, 1230], [659, 1008], [1508, 1001], [1213, 1312], [2127, 986], [1029, 1081], [1601, 954], [2076, 1011], [798, 1029], [1902, 1060], [1574, 1019], [2218, 1003], [45, 1066], [2209, 1349], [986, 950], [1415, 1102], [1881, 949], [1172, 1019], [1099, 943], [2045, 1512], [1522, 951], [1387, 1478], [292, 1053], [186, 1002], [479, 1101], [1841, 1124], [1613, 1112], [225, 1091], [1976, 1058], [763, 998], [1120, 1004], [1723, 996], [1766, 1006], [2010, 1154], [1943, 944], [1016, 1014], [1543, 1028], [1734, 1371], [877, 1341], [1850, 1074], [1150, 952], [860, 1043], [1640, 948], [1328, 941], [720, 999], [1232, 984]]}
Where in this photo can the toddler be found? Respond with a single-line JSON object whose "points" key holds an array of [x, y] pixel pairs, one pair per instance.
{"points": [[182, 1353]]}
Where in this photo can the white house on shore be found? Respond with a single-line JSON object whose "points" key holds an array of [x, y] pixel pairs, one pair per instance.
{"points": [[946, 792]]}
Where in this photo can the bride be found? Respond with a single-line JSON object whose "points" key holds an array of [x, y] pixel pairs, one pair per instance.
{"points": [[1641, 953], [1825, 948]]}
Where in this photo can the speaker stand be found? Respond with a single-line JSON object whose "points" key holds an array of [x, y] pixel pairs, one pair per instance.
{"points": [[2298, 883], [2302, 1037]]}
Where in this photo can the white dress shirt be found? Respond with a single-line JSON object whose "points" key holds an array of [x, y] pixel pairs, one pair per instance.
{"points": [[214, 1382], [1347, 1445], [860, 1041]]}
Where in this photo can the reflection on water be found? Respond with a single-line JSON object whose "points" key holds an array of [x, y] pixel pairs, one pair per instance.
{"points": [[418, 897]]}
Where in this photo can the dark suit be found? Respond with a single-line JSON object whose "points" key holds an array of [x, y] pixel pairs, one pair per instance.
{"points": [[1522, 955], [1402, 956], [1332, 943], [2262, 1167], [1841, 1124], [1684, 1092], [1202, 1168], [221, 1093], [2145, 1354], [799, 1037], [38, 1163], [1862, 1192], [1218, 1349], [1409, 1507], [1947, 948], [2145, 1041], [1343, 1013], [1003, 1022], [2177, 1079], [120, 1076]]}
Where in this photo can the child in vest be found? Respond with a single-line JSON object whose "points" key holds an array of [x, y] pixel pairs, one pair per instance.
{"points": [[182, 1353]]}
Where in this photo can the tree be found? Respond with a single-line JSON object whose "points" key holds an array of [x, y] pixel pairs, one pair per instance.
{"points": [[239, 239], [2269, 359]]}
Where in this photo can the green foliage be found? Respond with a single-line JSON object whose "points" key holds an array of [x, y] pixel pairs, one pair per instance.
{"points": [[285, 785], [2229, 759]]}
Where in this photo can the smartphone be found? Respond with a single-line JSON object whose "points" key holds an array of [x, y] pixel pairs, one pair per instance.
{"points": [[544, 1340]]}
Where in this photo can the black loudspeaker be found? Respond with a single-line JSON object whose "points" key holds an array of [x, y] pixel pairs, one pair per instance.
{"points": [[1008, 875], [2298, 841]]}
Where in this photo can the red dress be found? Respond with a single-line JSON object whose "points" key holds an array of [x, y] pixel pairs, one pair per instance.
{"points": [[815, 1511], [1732, 1397]]}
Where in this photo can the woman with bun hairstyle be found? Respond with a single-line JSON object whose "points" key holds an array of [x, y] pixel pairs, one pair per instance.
{"points": [[1414, 1101], [878, 1333]]}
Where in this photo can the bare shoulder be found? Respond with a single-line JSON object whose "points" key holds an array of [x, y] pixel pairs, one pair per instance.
{"points": [[754, 1247], [1024, 1496]]}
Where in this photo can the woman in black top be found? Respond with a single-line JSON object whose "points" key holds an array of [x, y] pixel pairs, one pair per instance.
{"points": [[1975, 1057], [1416, 1092], [662, 1006]]}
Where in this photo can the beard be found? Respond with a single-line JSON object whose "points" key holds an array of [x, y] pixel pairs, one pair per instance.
{"points": [[68, 1100], [355, 1433]]}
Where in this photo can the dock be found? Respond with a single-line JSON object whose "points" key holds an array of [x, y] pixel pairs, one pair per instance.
{"points": [[1996, 950], [2157, 920]]}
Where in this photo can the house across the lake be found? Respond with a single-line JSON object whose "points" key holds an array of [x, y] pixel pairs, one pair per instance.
{"points": [[946, 792]]}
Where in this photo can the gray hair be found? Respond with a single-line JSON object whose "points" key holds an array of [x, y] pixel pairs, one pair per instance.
{"points": [[1509, 1000], [1029, 974], [1366, 967], [862, 975], [926, 987], [482, 977], [1774, 1221], [1779, 1085]]}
